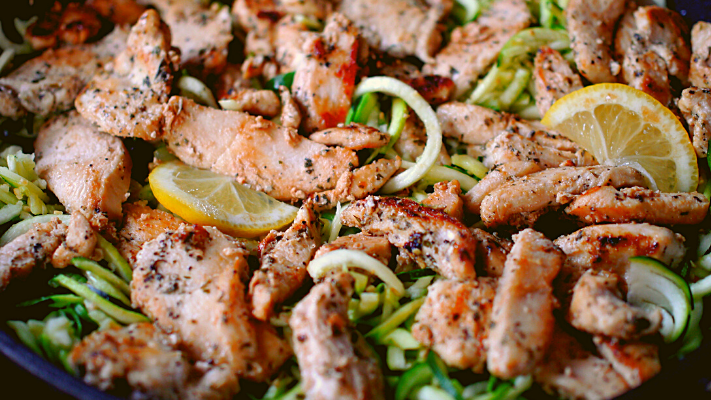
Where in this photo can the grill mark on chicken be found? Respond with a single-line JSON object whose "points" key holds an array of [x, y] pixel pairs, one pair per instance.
{"points": [[491, 253], [128, 98], [591, 26], [522, 201], [522, 319], [120, 12], [636, 204], [432, 238], [334, 359], [597, 307], [257, 152], [283, 263], [89, 171], [636, 362], [454, 321]]}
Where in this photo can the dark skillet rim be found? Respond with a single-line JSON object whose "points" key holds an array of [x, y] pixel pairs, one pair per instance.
{"points": [[679, 378]]}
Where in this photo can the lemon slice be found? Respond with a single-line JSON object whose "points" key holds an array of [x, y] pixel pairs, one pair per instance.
{"points": [[206, 198], [621, 125]]}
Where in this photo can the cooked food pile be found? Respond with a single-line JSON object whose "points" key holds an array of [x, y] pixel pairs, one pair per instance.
{"points": [[356, 199]]}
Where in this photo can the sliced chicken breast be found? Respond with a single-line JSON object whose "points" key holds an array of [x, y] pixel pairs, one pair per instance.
{"points": [[377, 247], [141, 224], [553, 78], [700, 68], [446, 197], [636, 362], [353, 137], [695, 106], [80, 241]]}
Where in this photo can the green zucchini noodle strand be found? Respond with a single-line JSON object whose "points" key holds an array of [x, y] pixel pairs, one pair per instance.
{"points": [[424, 111], [339, 259]]}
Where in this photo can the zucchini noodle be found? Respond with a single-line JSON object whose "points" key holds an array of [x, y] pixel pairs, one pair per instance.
{"points": [[353, 258], [194, 89], [424, 111], [439, 173], [336, 223]]}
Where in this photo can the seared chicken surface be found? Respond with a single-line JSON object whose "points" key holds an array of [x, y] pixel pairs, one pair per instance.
{"points": [[553, 78]]}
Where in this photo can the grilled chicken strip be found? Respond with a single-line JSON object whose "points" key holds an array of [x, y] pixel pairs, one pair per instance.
{"points": [[695, 105], [521, 201], [353, 137], [572, 372], [491, 253], [257, 152], [290, 113], [597, 307], [334, 360], [190, 283], [454, 321], [357, 184], [32, 249], [653, 45], [128, 98], [494, 179], [80, 242], [446, 198], [431, 237], [412, 141], [324, 82], [89, 171], [400, 28], [591, 26], [476, 45], [636, 362], [553, 78], [70, 24], [49, 83], [272, 352], [609, 247], [636, 204], [202, 34], [141, 356], [377, 247], [522, 317], [142, 224], [510, 147], [283, 261], [120, 12], [700, 68], [253, 101]]}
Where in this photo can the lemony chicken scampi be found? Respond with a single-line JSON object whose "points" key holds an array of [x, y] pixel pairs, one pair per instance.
{"points": [[356, 199]]}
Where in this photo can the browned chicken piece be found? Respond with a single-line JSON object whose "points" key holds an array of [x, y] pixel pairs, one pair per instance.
{"points": [[553, 78], [49, 83], [80, 242], [377, 247], [637, 204], [283, 263], [254, 101], [248, 12], [454, 321], [652, 43], [476, 125], [190, 283], [572, 372], [257, 152], [290, 34], [412, 141], [71, 24], [202, 33], [510, 147], [491, 253], [334, 359], [434, 89], [597, 307], [230, 81], [522, 321], [591, 26], [700, 68], [522, 201], [128, 98], [695, 105], [32, 249], [120, 12], [609, 247], [141, 356], [495, 178], [272, 352], [290, 113], [89, 171], [475, 46], [399, 27], [446, 197], [325, 80], [635, 361], [353, 137], [357, 184], [433, 238], [142, 224]]}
